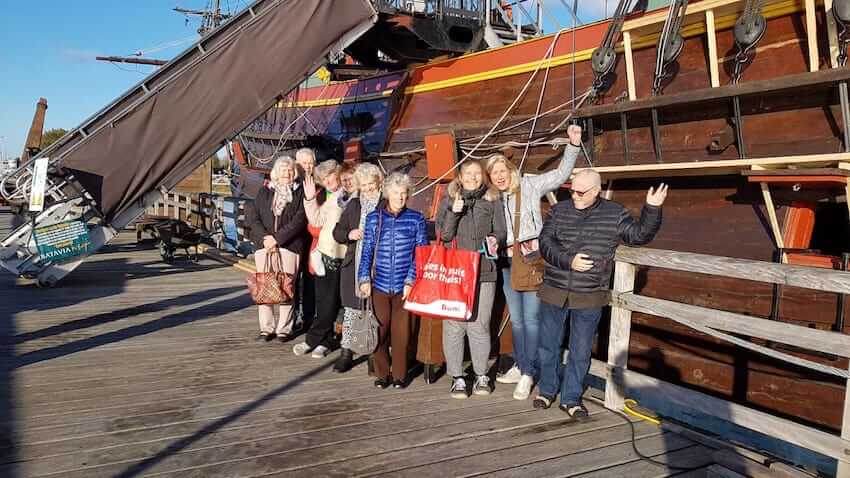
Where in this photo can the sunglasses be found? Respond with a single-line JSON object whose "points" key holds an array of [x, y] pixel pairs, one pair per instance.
{"points": [[581, 193]]}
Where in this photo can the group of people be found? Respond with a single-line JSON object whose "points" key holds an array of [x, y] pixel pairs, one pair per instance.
{"points": [[347, 234]]}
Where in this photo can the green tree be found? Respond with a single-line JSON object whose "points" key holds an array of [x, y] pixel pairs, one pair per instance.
{"points": [[51, 136]]}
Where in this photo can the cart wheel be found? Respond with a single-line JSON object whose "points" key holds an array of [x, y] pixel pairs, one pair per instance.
{"points": [[45, 283], [165, 252]]}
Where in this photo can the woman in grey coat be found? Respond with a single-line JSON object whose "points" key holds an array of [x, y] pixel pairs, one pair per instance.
{"points": [[523, 230], [471, 215]]}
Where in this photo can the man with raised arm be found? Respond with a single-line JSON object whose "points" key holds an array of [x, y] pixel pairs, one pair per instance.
{"points": [[578, 242]]}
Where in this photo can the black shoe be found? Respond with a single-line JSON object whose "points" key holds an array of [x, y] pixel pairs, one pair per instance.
{"points": [[399, 384], [284, 338], [264, 337], [382, 383], [574, 410], [344, 362], [542, 402]]}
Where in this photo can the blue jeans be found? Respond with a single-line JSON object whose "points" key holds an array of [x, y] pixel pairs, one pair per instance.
{"points": [[525, 324], [553, 375]]}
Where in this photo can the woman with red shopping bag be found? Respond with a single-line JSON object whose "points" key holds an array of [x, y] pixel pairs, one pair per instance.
{"points": [[470, 218]]}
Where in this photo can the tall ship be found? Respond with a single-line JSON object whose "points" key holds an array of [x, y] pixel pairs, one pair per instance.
{"points": [[741, 106]]}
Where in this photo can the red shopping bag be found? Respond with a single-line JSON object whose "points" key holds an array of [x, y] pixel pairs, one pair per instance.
{"points": [[445, 283]]}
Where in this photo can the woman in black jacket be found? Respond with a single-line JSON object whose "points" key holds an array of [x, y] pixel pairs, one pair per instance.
{"points": [[349, 231], [277, 222]]}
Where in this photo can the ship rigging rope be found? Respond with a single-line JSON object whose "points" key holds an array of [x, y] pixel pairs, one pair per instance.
{"points": [[547, 60], [281, 142], [500, 131]]}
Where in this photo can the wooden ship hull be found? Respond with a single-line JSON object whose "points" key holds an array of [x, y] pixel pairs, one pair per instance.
{"points": [[758, 169]]}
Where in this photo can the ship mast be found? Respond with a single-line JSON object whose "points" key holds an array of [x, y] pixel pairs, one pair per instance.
{"points": [[211, 18]]}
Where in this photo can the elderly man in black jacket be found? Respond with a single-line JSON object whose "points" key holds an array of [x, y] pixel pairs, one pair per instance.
{"points": [[578, 242]]}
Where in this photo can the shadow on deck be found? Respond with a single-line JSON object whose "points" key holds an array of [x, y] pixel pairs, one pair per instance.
{"points": [[132, 367]]}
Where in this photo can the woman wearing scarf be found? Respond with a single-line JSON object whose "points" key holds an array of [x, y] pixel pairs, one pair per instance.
{"points": [[471, 215], [349, 231], [277, 222], [329, 253]]}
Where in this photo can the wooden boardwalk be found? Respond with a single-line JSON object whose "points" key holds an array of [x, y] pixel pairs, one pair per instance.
{"points": [[132, 367]]}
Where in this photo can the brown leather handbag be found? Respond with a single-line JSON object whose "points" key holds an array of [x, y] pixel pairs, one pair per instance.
{"points": [[526, 272], [274, 286]]}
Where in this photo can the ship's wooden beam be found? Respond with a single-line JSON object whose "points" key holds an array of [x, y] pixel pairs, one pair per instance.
{"points": [[630, 65], [712, 48], [724, 7], [812, 35], [724, 166], [771, 213], [714, 94]]}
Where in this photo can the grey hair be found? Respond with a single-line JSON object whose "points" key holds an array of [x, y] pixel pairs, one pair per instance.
{"points": [[325, 168], [592, 176], [366, 172], [397, 180], [305, 152], [280, 161]]}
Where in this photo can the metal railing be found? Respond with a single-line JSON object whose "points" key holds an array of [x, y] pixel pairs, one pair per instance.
{"points": [[467, 9]]}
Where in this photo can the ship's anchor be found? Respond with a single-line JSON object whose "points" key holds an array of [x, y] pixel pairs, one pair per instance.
{"points": [[748, 30]]}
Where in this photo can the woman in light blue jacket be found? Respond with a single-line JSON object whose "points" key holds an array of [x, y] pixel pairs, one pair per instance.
{"points": [[523, 231]]}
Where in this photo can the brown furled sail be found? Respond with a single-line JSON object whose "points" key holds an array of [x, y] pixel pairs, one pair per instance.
{"points": [[167, 135]]}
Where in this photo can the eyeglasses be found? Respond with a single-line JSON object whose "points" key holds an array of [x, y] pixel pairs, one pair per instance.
{"points": [[582, 193]]}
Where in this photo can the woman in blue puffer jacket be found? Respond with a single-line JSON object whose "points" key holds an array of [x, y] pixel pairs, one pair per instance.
{"points": [[390, 237]]}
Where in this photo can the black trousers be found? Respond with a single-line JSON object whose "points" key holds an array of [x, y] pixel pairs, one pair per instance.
{"points": [[328, 303], [306, 294]]}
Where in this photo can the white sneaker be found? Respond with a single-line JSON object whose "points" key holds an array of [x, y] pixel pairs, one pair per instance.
{"points": [[319, 352], [523, 388], [482, 385], [511, 376], [301, 349], [458, 389]]}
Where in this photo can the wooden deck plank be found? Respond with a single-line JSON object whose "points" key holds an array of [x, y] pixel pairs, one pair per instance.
{"points": [[133, 367], [605, 449], [258, 456], [687, 459], [215, 451], [462, 445]]}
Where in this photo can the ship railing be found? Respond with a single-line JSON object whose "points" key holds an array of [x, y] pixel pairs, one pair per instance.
{"points": [[524, 20], [729, 327], [466, 9]]}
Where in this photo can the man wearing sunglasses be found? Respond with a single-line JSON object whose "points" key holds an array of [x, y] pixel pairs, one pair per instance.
{"points": [[578, 242]]}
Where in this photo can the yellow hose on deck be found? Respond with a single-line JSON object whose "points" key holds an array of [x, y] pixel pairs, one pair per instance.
{"points": [[627, 407]]}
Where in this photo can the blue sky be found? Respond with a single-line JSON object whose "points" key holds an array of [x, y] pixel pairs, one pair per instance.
{"points": [[49, 48]]}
